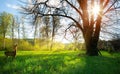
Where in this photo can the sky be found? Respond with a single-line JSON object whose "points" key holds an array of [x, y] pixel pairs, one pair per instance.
{"points": [[10, 6]]}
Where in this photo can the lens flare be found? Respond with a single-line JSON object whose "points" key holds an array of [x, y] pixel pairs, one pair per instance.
{"points": [[96, 10]]}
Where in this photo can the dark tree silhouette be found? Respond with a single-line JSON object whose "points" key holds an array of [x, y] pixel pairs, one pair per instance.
{"points": [[80, 12]]}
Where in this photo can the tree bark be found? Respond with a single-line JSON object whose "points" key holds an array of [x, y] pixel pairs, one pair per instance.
{"points": [[91, 42], [91, 47]]}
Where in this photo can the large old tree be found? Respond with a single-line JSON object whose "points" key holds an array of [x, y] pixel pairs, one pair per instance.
{"points": [[87, 15]]}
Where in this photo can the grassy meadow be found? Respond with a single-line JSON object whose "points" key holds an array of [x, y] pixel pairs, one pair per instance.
{"points": [[67, 62]]}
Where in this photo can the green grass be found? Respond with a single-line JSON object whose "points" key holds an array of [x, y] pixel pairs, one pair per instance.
{"points": [[36, 62]]}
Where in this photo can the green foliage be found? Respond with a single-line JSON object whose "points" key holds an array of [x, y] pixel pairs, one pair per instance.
{"points": [[57, 46], [1, 43], [8, 46], [47, 45], [116, 44], [73, 46], [37, 62], [5, 20], [25, 45]]}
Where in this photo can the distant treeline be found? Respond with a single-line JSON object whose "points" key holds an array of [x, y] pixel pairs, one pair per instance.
{"points": [[39, 45], [111, 45]]}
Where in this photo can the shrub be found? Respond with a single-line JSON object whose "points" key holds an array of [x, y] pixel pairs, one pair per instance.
{"points": [[25, 45]]}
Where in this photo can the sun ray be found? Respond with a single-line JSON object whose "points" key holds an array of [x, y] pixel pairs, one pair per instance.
{"points": [[96, 10]]}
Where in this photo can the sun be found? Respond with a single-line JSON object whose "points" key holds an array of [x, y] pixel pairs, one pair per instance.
{"points": [[96, 10]]}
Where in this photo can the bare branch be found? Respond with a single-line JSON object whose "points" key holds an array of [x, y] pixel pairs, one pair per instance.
{"points": [[110, 7], [80, 13]]}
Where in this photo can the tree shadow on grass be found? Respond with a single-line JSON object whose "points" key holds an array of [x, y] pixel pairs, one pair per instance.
{"points": [[95, 65]]}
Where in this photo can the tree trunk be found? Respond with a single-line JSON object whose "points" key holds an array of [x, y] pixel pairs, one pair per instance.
{"points": [[4, 41], [91, 43], [91, 47]]}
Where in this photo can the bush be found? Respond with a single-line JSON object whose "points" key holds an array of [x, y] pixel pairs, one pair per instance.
{"points": [[8, 45], [116, 44], [25, 45]]}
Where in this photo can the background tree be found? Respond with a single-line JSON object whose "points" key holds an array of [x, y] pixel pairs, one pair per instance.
{"points": [[90, 20], [5, 20], [76, 37], [46, 28], [12, 30], [37, 30], [55, 27], [18, 28], [23, 27]]}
